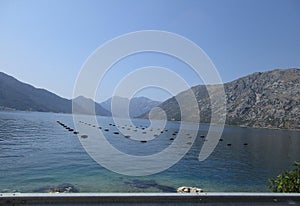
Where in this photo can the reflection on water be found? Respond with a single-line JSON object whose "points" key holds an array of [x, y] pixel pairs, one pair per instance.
{"points": [[37, 153]]}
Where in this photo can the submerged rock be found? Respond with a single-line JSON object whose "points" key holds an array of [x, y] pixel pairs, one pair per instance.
{"points": [[145, 184], [62, 188]]}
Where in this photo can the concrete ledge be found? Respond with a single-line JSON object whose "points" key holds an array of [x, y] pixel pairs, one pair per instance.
{"points": [[150, 198]]}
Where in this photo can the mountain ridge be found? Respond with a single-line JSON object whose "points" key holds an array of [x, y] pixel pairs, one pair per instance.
{"points": [[16, 95], [263, 99]]}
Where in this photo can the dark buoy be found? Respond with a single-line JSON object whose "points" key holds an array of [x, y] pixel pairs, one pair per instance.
{"points": [[202, 136], [174, 134], [171, 139], [245, 144], [84, 136], [100, 127], [143, 141], [229, 144], [220, 140], [106, 130], [116, 132], [76, 132], [126, 136], [71, 130]]}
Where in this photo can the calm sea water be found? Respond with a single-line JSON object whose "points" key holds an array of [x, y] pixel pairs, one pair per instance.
{"points": [[36, 152]]}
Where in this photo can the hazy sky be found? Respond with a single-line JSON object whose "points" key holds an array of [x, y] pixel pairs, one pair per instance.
{"points": [[45, 43]]}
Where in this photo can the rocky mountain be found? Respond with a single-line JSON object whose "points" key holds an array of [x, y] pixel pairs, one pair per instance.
{"points": [[137, 105], [263, 99], [16, 95]]}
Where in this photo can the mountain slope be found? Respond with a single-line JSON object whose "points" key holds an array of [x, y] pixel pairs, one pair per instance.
{"points": [[270, 99], [20, 96], [17, 95], [137, 105]]}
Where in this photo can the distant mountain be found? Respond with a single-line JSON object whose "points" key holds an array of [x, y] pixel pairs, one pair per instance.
{"points": [[20, 96], [265, 100], [137, 105], [83, 105]]}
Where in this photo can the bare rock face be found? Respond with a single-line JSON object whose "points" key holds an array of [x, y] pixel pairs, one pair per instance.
{"points": [[185, 189], [270, 100], [263, 99]]}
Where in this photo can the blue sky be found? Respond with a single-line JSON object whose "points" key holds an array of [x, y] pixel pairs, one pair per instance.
{"points": [[45, 43]]}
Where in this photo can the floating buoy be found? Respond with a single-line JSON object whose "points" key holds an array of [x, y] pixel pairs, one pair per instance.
{"points": [[245, 144], [106, 130], [116, 132], [71, 130], [126, 136], [76, 132], [220, 140], [229, 144], [171, 139], [84, 136], [143, 141]]}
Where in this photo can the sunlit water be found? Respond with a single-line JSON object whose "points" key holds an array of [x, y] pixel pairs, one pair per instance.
{"points": [[36, 152]]}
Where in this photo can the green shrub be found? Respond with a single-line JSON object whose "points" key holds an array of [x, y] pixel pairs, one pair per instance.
{"points": [[288, 181]]}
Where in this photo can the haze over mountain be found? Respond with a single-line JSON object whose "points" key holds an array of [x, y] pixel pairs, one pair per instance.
{"points": [[137, 105], [17, 95], [269, 100]]}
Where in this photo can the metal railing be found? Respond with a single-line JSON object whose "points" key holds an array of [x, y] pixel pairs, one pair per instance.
{"points": [[150, 198]]}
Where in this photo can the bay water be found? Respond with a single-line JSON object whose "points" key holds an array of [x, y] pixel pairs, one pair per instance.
{"points": [[36, 152]]}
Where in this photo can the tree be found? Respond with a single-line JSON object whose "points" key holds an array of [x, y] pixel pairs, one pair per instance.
{"points": [[288, 181]]}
